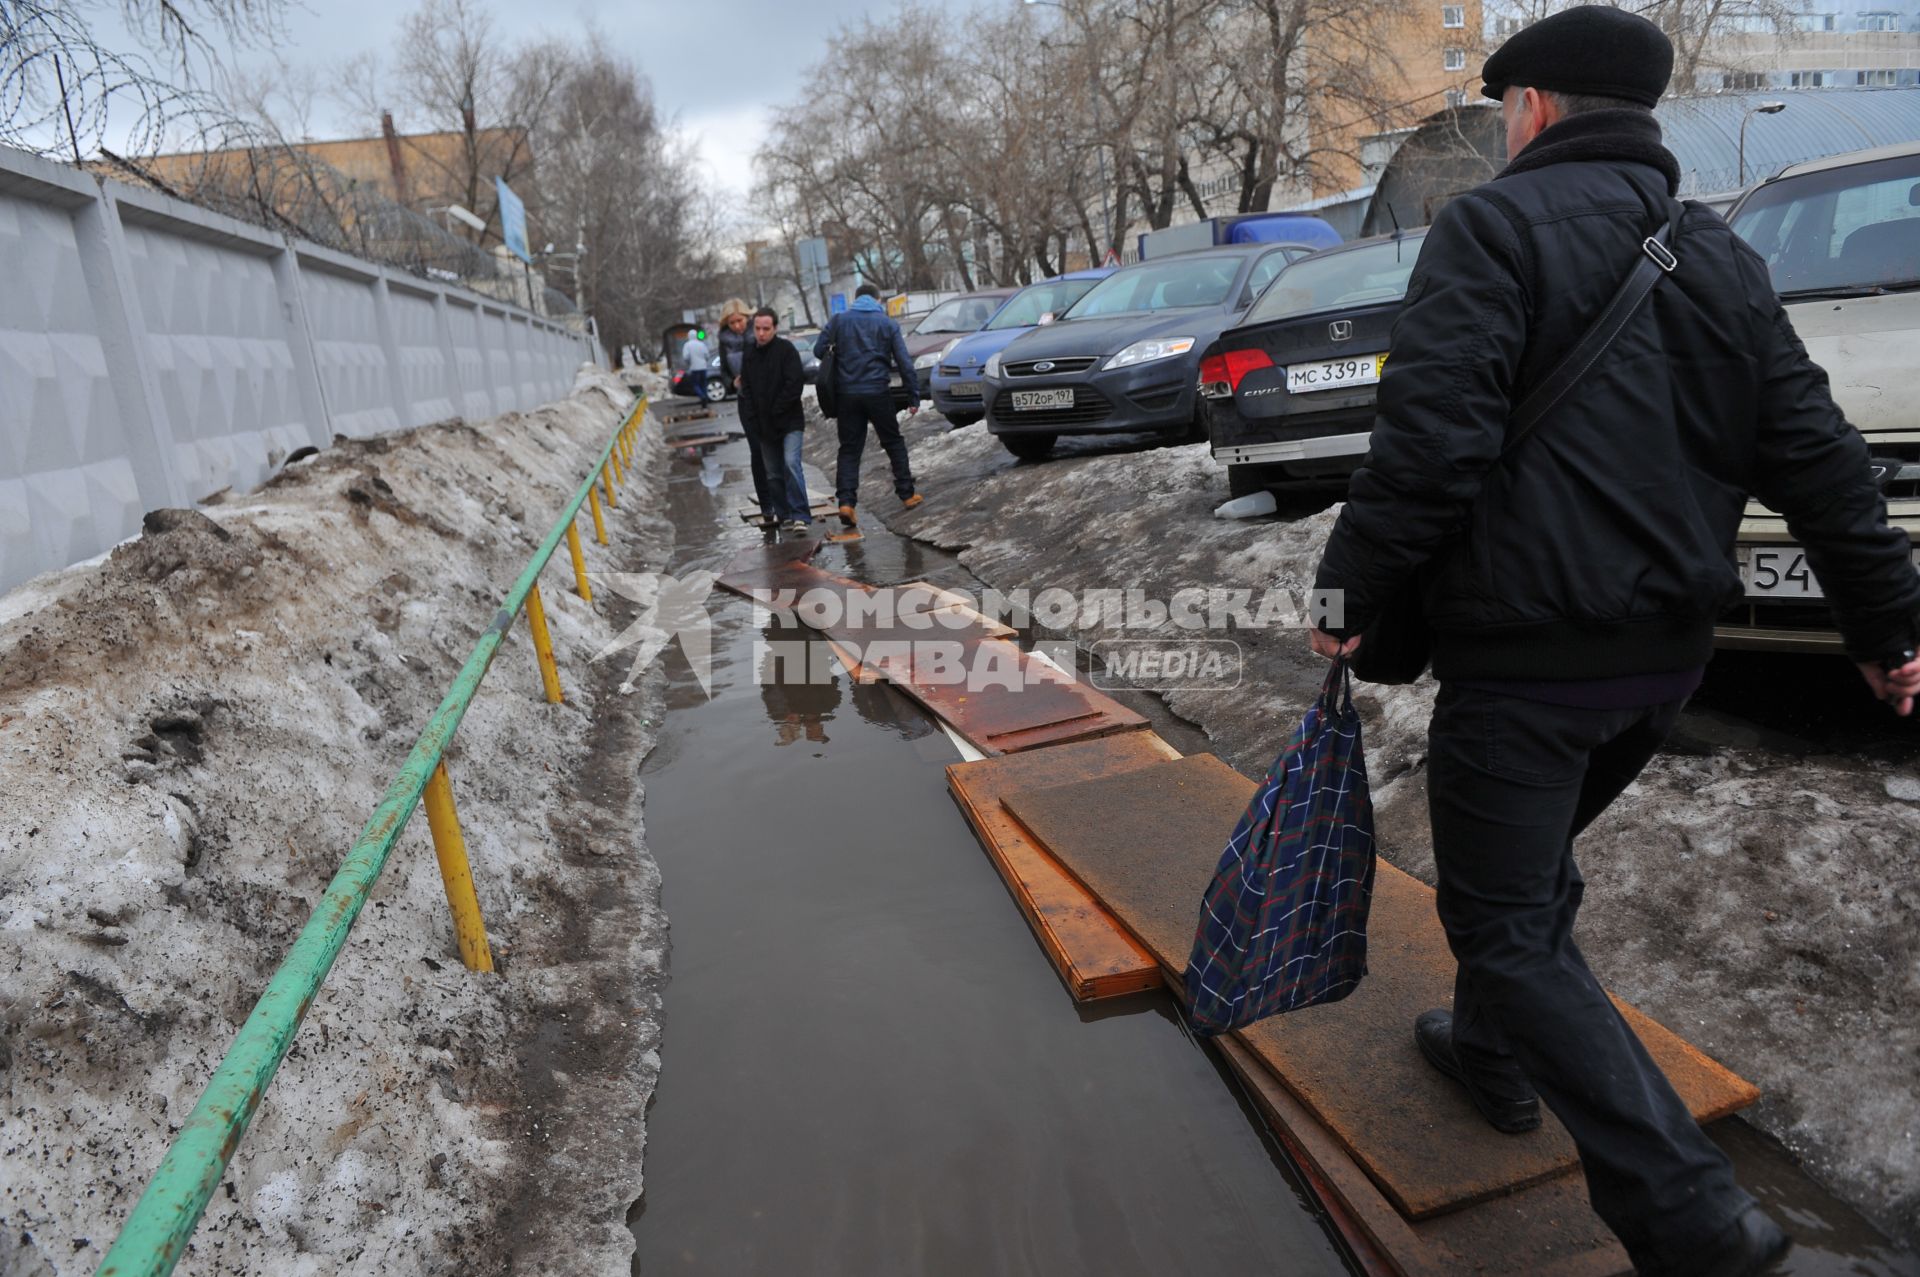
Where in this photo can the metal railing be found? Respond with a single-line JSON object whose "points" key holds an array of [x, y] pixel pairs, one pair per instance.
{"points": [[164, 1218]]}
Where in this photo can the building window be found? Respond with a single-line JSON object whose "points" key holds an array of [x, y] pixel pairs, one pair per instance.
{"points": [[1815, 22], [1879, 22], [1504, 27], [1456, 99], [1739, 80], [1809, 79], [1880, 79], [1453, 16], [1456, 60]]}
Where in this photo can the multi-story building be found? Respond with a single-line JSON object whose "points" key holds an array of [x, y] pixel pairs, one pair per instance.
{"points": [[1857, 45]]}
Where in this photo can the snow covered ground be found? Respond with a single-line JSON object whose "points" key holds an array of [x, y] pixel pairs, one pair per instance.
{"points": [[1764, 905], [192, 731]]}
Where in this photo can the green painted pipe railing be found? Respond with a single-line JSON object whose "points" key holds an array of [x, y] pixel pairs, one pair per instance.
{"points": [[164, 1218]]}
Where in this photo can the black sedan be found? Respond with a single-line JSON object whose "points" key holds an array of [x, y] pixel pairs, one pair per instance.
{"points": [[1289, 394], [1124, 357]]}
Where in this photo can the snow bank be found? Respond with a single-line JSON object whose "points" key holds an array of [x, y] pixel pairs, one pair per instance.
{"points": [[192, 731]]}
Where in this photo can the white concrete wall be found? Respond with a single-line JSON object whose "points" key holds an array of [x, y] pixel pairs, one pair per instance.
{"points": [[153, 353]]}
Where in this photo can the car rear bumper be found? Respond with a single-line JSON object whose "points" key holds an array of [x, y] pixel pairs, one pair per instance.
{"points": [[1346, 445]]}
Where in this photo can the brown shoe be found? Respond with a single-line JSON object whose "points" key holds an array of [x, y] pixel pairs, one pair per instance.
{"points": [[912, 501], [847, 516]]}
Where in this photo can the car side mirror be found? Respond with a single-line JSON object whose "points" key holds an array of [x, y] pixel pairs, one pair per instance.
{"points": [[1047, 318]]}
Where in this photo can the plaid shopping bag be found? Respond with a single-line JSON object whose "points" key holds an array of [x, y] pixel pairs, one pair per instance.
{"points": [[1284, 923]]}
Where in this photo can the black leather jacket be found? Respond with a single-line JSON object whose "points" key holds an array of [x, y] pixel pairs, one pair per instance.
{"points": [[1603, 545]]}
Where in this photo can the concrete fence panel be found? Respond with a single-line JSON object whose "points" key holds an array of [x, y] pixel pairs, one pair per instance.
{"points": [[475, 395], [217, 343], [425, 379], [152, 353]]}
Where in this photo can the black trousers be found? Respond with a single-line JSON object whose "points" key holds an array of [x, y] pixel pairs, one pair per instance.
{"points": [[1510, 784], [857, 412]]}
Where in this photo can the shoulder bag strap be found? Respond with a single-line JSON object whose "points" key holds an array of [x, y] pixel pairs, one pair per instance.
{"points": [[1656, 262]]}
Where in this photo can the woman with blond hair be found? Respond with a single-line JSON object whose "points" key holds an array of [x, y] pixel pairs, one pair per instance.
{"points": [[734, 340]]}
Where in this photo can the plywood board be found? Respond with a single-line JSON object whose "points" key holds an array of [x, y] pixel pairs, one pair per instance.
{"points": [[1146, 845], [1094, 955]]}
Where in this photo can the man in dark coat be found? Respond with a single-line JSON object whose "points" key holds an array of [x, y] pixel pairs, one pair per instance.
{"points": [[1572, 584], [770, 385]]}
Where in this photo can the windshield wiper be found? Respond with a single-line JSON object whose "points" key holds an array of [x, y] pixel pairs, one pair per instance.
{"points": [[1850, 290]]}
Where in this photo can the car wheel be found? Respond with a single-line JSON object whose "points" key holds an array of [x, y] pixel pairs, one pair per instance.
{"points": [[1197, 429], [1029, 447], [716, 390]]}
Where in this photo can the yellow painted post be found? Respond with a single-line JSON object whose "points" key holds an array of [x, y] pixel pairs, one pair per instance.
{"points": [[455, 873], [543, 646], [613, 459], [599, 524], [606, 473], [579, 561]]}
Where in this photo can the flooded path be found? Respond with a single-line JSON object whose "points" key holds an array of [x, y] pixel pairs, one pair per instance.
{"points": [[870, 1066]]}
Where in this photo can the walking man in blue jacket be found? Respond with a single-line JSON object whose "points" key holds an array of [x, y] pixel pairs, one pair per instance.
{"points": [[867, 344]]}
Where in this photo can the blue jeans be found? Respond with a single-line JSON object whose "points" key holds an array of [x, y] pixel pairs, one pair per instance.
{"points": [[697, 383], [786, 480]]}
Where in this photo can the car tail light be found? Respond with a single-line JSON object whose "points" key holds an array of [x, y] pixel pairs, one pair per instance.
{"points": [[1221, 375]]}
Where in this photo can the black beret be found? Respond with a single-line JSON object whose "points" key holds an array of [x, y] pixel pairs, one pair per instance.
{"points": [[1593, 48]]}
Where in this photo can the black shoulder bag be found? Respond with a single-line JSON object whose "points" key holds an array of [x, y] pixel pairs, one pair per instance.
{"points": [[825, 393], [1397, 647]]}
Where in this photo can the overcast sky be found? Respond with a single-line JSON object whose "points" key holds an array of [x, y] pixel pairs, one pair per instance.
{"points": [[715, 66]]}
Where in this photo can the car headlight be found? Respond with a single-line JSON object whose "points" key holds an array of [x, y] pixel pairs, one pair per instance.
{"points": [[927, 360], [993, 365], [1145, 352], [948, 348]]}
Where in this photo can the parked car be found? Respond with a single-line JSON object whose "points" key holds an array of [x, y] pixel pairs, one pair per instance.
{"points": [[1842, 239], [956, 383], [803, 339], [940, 328], [1125, 356], [1289, 393], [718, 386]]}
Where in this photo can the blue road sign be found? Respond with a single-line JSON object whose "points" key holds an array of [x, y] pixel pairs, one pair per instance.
{"points": [[513, 220]]}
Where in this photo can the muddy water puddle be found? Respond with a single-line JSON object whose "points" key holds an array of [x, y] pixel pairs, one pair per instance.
{"points": [[869, 1064]]}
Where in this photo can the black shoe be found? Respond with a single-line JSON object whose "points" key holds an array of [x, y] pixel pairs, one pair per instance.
{"points": [[1752, 1245], [1504, 1098]]}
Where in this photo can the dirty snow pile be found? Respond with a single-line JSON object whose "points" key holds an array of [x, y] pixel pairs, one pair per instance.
{"points": [[193, 730], [1764, 905]]}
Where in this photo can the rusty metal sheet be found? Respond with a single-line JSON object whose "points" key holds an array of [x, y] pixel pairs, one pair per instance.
{"points": [[1146, 844], [1094, 955], [769, 567], [1547, 1230]]}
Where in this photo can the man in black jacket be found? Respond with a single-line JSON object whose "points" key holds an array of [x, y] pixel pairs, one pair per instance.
{"points": [[1572, 584], [770, 384]]}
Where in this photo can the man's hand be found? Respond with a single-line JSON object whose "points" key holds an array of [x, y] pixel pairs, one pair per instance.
{"points": [[1329, 646], [913, 406], [1897, 687]]}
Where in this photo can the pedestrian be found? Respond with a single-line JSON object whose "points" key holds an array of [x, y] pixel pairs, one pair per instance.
{"points": [[866, 344], [1571, 585], [770, 384], [696, 359], [735, 317]]}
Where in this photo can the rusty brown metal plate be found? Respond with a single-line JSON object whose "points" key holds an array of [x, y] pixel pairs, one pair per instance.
{"points": [[1094, 955], [1146, 843], [1547, 1230]]}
